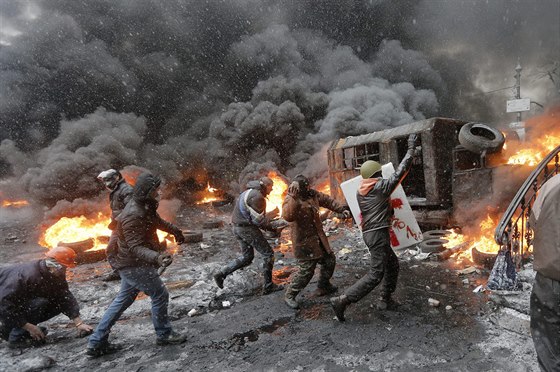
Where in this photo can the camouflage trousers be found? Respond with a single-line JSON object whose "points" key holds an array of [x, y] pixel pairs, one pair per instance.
{"points": [[306, 270], [251, 238]]}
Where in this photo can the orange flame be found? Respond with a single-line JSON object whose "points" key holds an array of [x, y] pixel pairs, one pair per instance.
{"points": [[276, 196], [210, 195], [14, 203], [77, 229], [324, 187], [482, 239], [543, 135], [538, 149]]}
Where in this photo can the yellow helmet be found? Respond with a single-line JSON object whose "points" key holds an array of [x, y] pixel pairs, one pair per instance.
{"points": [[369, 168]]}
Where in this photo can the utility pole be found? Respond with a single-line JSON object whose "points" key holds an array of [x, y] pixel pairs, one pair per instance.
{"points": [[518, 69], [518, 104]]}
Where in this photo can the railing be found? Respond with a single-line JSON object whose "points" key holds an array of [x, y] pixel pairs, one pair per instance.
{"points": [[514, 232]]}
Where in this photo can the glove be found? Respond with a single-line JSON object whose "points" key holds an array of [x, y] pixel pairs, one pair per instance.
{"points": [[278, 224], [293, 189], [179, 238], [112, 225], [412, 141], [164, 259], [346, 214]]}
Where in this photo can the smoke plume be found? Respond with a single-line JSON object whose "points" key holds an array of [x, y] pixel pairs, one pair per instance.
{"points": [[226, 90]]}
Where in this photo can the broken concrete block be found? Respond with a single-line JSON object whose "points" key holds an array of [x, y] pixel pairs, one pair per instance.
{"points": [[468, 270], [433, 302]]}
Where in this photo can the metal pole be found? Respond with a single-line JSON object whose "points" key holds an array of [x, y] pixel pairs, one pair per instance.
{"points": [[518, 69]]}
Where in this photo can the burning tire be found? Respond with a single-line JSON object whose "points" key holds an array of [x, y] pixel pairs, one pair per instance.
{"points": [[91, 256], [483, 258], [435, 234], [477, 137], [192, 236], [78, 247], [432, 245]]}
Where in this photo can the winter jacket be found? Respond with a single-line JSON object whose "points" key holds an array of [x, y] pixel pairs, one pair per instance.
{"points": [[545, 221], [250, 208], [119, 197], [307, 230], [374, 196], [19, 284], [137, 225]]}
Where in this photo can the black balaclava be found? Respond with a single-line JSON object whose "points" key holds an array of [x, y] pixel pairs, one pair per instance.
{"points": [[304, 190]]}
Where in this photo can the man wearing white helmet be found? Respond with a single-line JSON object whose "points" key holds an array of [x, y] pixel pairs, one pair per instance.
{"points": [[121, 193]]}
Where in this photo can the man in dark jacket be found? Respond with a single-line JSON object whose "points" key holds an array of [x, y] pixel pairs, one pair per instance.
{"points": [[121, 193], [34, 292], [249, 217], [545, 298], [139, 256], [311, 246], [374, 202]]}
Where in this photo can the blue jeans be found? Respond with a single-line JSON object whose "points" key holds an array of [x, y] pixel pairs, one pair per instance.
{"points": [[134, 280]]}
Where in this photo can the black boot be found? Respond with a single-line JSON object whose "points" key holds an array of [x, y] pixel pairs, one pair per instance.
{"points": [[386, 302], [271, 287], [219, 279], [174, 338], [339, 306], [103, 349]]}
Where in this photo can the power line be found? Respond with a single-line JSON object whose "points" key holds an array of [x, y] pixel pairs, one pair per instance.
{"points": [[491, 91]]}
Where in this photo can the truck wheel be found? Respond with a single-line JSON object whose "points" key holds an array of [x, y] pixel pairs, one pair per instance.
{"points": [[477, 137], [432, 245]]}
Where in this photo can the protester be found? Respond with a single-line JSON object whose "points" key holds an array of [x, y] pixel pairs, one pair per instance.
{"points": [[374, 201], [137, 260], [121, 193], [34, 292], [545, 298], [310, 244], [248, 218]]}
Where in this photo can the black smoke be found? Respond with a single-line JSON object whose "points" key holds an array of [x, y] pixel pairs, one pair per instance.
{"points": [[226, 87]]}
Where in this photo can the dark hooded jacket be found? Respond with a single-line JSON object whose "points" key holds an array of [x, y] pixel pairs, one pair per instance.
{"points": [[256, 200], [374, 196], [19, 284], [119, 197], [137, 227], [308, 238]]}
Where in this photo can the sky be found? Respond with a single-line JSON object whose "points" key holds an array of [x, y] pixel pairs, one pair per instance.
{"points": [[228, 90]]}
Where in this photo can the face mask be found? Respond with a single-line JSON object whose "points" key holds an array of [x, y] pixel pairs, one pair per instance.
{"points": [[55, 268]]}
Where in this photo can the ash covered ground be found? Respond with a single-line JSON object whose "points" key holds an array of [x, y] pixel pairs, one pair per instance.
{"points": [[482, 332]]}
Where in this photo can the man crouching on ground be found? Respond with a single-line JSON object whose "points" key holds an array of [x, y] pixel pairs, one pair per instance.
{"points": [[35, 292], [139, 255]]}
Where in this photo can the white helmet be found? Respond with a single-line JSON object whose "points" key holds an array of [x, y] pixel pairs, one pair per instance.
{"points": [[110, 178]]}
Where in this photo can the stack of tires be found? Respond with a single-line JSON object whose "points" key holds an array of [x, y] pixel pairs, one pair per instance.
{"points": [[434, 241]]}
